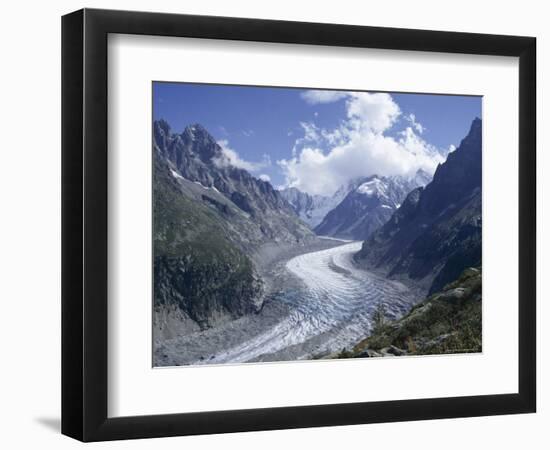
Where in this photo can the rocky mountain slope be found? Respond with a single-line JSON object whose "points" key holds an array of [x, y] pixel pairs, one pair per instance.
{"points": [[368, 206], [312, 209], [436, 232], [200, 274], [209, 218], [195, 156]]}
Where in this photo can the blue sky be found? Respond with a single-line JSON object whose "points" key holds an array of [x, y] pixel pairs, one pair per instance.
{"points": [[295, 136]]}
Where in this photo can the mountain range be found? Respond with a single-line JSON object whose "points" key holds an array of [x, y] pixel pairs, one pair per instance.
{"points": [[212, 218], [195, 156], [368, 205], [436, 233]]}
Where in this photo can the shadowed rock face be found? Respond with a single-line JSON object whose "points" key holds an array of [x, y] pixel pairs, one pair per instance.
{"points": [[209, 217], [436, 233], [311, 208]]}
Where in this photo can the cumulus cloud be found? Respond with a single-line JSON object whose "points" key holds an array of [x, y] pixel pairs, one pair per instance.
{"points": [[230, 157], [314, 97], [376, 112], [323, 160]]}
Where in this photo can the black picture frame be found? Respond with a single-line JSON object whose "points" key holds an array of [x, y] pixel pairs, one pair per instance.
{"points": [[84, 224]]}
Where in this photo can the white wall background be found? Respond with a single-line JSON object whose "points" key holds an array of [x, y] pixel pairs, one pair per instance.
{"points": [[30, 226]]}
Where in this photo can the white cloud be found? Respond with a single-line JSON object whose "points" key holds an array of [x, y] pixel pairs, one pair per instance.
{"points": [[411, 118], [230, 157], [377, 112], [451, 148], [264, 177], [314, 97], [311, 132], [323, 160]]}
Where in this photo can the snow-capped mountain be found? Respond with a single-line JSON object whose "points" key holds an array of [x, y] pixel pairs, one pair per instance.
{"points": [[369, 205]]}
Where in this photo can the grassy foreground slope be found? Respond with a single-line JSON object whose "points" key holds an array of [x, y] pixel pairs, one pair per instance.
{"points": [[446, 322]]}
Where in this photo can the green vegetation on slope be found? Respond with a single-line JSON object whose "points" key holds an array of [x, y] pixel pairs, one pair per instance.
{"points": [[448, 321]]}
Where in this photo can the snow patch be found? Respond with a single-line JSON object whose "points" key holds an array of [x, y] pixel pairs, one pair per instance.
{"points": [[372, 187], [176, 175], [207, 187], [201, 185]]}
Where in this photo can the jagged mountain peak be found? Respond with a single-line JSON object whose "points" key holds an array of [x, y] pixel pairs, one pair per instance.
{"points": [[476, 126], [200, 142], [194, 140], [163, 125], [460, 173], [372, 186], [197, 131], [195, 157], [472, 141]]}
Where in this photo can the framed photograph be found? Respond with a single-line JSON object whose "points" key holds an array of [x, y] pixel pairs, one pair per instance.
{"points": [[273, 224]]}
